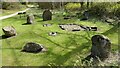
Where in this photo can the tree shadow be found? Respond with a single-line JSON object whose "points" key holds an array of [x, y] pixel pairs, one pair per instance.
{"points": [[114, 29], [49, 40], [26, 24], [40, 21], [87, 38], [13, 53], [52, 42], [12, 48], [68, 55]]}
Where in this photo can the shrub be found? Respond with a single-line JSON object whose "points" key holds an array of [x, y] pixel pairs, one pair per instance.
{"points": [[72, 6], [98, 10], [105, 9], [117, 10], [45, 5], [10, 5]]}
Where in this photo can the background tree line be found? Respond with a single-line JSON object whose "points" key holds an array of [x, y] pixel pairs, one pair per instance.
{"points": [[95, 9]]}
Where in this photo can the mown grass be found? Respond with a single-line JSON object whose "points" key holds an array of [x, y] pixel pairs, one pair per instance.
{"points": [[8, 12], [63, 49]]}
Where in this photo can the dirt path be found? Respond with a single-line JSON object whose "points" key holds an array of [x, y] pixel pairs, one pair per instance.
{"points": [[11, 15]]}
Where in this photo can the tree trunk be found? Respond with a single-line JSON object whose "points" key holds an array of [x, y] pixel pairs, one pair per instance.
{"points": [[81, 4]]}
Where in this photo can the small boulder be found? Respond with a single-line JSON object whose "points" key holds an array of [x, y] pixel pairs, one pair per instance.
{"points": [[47, 15], [9, 31], [30, 19], [33, 47], [46, 25], [52, 33]]}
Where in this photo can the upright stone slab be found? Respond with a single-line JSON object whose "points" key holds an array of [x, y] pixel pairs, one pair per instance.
{"points": [[47, 15], [9, 31], [101, 47], [85, 15], [30, 19]]}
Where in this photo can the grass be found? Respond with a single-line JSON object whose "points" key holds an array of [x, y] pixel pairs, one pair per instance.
{"points": [[63, 49], [8, 12]]}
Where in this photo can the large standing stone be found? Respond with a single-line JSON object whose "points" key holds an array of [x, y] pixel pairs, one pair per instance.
{"points": [[30, 19], [33, 47], [9, 31], [101, 47], [47, 15]]}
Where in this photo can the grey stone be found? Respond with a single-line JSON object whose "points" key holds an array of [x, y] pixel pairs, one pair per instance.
{"points": [[109, 21], [70, 27], [76, 27], [52, 33], [85, 15], [46, 25], [47, 15], [9, 31], [30, 19], [101, 47], [33, 47]]}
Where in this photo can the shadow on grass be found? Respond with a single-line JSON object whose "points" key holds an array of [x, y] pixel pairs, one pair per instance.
{"points": [[68, 55], [13, 52], [77, 35], [3, 37], [114, 29], [26, 24], [49, 40], [52, 42], [40, 21], [12, 48]]}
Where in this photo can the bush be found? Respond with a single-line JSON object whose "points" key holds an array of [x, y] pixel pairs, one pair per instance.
{"points": [[117, 10], [105, 9], [117, 13], [98, 10], [10, 5], [45, 5], [72, 6]]}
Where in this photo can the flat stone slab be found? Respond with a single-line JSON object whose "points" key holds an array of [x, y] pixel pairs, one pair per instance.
{"points": [[76, 27]]}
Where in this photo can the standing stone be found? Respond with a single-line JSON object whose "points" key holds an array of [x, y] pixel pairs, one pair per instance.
{"points": [[30, 19], [47, 15], [9, 31], [85, 15], [101, 47]]}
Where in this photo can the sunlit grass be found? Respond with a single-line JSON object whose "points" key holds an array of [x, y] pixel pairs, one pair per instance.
{"points": [[62, 49]]}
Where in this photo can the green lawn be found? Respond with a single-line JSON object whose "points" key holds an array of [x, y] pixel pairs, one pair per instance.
{"points": [[63, 49], [8, 12]]}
